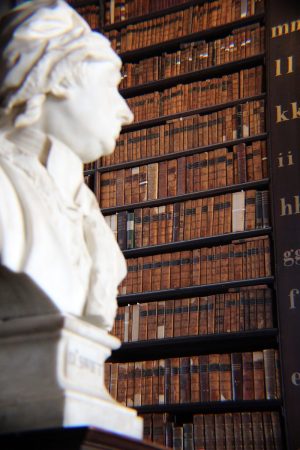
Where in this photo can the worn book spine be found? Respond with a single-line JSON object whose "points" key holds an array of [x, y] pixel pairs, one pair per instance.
{"points": [[204, 378], [155, 382], [161, 305], [153, 225], [247, 430], [162, 375], [152, 181], [220, 431], [122, 383], [147, 273], [122, 233], [258, 375], [225, 377], [237, 428], [152, 320], [237, 376], [135, 322], [130, 384], [214, 377], [143, 319], [248, 382], [172, 177], [185, 380], [175, 381], [270, 373], [199, 434], [238, 211], [193, 324], [276, 430], [209, 426], [188, 436], [257, 429], [147, 389], [130, 230], [158, 428], [211, 312], [178, 438], [137, 399]]}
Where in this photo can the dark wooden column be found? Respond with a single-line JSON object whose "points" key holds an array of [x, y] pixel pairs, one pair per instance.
{"points": [[283, 80]]}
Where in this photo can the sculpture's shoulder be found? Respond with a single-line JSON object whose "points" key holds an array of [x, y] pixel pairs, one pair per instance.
{"points": [[11, 211]]}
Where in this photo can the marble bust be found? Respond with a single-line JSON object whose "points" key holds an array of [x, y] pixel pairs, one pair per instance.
{"points": [[60, 264], [59, 108]]}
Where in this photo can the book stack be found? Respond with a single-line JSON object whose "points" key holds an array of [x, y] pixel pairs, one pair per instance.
{"points": [[192, 132], [204, 378], [201, 171], [185, 22], [245, 430], [242, 310], [185, 97], [240, 260], [191, 219], [186, 193]]}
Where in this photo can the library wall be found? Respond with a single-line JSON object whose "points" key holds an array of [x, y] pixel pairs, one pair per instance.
{"points": [[195, 197]]}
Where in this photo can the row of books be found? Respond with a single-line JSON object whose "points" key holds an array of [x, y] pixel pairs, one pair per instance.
{"points": [[194, 19], [199, 172], [191, 219], [120, 10], [194, 56], [240, 121], [205, 378], [224, 431], [199, 94], [247, 309], [242, 259]]}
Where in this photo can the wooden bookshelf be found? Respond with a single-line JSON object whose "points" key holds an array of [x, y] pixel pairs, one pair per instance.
{"points": [[192, 76], [192, 291], [190, 196], [278, 417], [204, 344], [188, 152], [210, 33], [217, 407]]}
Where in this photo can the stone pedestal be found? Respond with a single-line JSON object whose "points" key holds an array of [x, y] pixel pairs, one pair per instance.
{"points": [[52, 375]]}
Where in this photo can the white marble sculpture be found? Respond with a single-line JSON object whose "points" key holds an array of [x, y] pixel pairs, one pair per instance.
{"points": [[60, 108]]}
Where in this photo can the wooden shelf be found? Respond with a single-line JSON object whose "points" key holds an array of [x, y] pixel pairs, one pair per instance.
{"points": [[175, 155], [191, 291], [245, 341], [259, 184], [207, 241], [173, 44], [212, 71], [216, 407]]}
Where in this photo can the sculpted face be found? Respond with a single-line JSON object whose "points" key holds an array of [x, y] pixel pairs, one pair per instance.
{"points": [[89, 119]]}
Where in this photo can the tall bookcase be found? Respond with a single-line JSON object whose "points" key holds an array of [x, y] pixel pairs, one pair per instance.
{"points": [[211, 298], [162, 82], [197, 239]]}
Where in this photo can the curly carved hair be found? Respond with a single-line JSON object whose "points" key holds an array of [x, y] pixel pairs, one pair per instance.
{"points": [[42, 47]]}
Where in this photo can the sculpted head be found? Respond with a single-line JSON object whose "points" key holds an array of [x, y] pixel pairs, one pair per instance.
{"points": [[58, 76]]}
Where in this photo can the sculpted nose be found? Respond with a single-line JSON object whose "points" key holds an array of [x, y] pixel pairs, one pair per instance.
{"points": [[125, 114]]}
